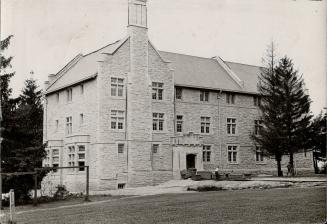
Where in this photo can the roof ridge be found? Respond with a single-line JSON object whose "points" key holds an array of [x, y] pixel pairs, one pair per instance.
{"points": [[186, 54], [243, 64], [92, 52]]}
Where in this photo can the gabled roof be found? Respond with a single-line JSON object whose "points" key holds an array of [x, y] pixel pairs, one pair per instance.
{"points": [[212, 73], [82, 67], [189, 71], [249, 74]]}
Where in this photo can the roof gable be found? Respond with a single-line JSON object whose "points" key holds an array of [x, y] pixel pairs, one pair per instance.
{"points": [[82, 67]]}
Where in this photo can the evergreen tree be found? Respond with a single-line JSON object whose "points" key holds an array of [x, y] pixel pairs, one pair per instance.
{"points": [[295, 109], [271, 137], [318, 143], [28, 151], [285, 112]]}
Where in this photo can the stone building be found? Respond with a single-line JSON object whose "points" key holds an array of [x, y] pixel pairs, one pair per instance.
{"points": [[138, 116]]}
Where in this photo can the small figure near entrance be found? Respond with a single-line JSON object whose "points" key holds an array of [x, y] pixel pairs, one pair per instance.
{"points": [[217, 173]]}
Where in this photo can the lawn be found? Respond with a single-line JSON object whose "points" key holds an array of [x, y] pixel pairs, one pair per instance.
{"points": [[292, 205]]}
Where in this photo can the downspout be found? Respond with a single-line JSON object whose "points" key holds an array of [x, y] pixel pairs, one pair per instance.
{"points": [[126, 125], [219, 126]]}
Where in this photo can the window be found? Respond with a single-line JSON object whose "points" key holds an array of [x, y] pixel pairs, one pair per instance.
{"points": [[206, 153], [179, 93], [55, 158], [157, 90], [179, 123], [56, 125], [158, 121], [231, 126], [81, 157], [258, 154], [57, 97], [256, 101], [121, 186], [204, 95], [71, 156], [117, 86], [69, 125], [69, 93], [120, 148], [232, 153], [82, 89], [155, 148], [257, 127], [81, 119], [117, 119], [205, 124], [230, 98], [47, 159]]}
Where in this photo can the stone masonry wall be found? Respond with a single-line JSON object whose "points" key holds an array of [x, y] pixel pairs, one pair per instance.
{"points": [[218, 110], [82, 132]]}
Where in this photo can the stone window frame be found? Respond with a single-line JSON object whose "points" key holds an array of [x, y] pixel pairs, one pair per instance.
{"points": [[47, 161], [204, 95], [82, 89], [232, 124], [158, 120], [232, 151], [56, 125], [117, 120], [69, 125], [57, 97], [179, 123], [257, 127], [69, 94], [123, 149], [81, 119], [157, 91], [207, 153], [81, 161], [155, 150], [179, 93], [230, 98], [259, 156], [71, 156], [117, 87], [205, 123], [256, 101], [74, 157]]}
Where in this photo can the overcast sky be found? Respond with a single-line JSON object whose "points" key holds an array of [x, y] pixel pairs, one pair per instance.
{"points": [[48, 33]]}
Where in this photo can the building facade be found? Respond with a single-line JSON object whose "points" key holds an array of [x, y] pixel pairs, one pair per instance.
{"points": [[138, 116]]}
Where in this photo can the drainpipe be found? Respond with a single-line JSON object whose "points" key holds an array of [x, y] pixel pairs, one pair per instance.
{"points": [[219, 126]]}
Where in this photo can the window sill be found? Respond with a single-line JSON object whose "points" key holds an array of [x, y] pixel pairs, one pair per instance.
{"points": [[260, 163], [159, 132], [117, 131], [229, 163], [206, 133], [232, 135], [117, 97]]}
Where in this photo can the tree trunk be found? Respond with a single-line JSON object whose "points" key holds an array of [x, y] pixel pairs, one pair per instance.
{"points": [[292, 164], [315, 165], [279, 167]]}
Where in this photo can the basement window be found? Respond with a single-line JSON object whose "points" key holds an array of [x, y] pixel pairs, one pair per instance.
{"points": [[121, 186]]}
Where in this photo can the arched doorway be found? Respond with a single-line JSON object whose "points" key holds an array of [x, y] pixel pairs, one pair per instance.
{"points": [[190, 161]]}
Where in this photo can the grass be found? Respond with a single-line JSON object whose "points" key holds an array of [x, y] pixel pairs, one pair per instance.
{"points": [[291, 205]]}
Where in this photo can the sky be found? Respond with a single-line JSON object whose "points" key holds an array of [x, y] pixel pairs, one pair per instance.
{"points": [[49, 33]]}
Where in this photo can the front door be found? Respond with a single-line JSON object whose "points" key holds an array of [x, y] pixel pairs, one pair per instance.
{"points": [[190, 161]]}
